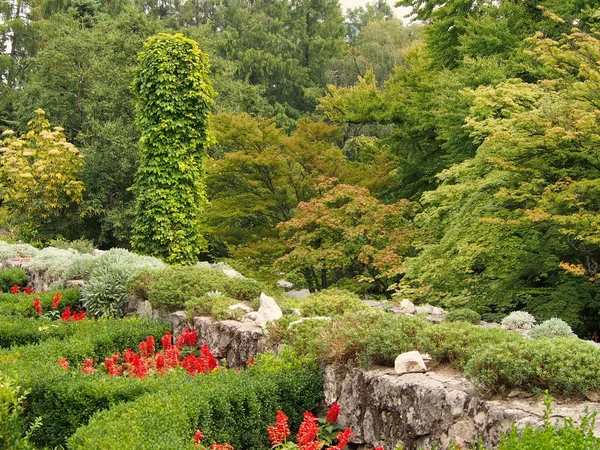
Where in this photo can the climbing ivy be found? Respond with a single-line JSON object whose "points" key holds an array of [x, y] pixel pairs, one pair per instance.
{"points": [[173, 97]]}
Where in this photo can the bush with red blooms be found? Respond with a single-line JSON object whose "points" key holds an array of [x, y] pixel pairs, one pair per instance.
{"points": [[308, 437], [16, 289], [149, 361], [66, 316]]}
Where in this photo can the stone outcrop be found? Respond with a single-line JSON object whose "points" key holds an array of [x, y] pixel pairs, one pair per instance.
{"points": [[39, 280], [409, 362], [269, 310], [417, 410], [230, 339]]}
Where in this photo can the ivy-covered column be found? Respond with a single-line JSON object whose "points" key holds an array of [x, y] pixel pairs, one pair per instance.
{"points": [[173, 95]]}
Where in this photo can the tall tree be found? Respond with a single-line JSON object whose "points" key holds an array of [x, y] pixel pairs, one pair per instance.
{"points": [[174, 95]]}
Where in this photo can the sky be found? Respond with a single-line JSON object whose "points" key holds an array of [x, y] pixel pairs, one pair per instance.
{"points": [[398, 12]]}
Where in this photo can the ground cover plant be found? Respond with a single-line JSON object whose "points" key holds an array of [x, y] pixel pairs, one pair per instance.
{"points": [[495, 359]]}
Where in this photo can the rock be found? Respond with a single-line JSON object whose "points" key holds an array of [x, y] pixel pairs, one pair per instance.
{"points": [[250, 317], [77, 284], [593, 396], [421, 410], [296, 312], [380, 304], [285, 284], [232, 273], [179, 322], [204, 264], [424, 309], [269, 310], [519, 393], [241, 307], [302, 293], [407, 307], [304, 319], [235, 341], [410, 362]]}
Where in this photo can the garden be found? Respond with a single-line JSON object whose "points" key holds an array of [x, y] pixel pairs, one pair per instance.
{"points": [[76, 374]]}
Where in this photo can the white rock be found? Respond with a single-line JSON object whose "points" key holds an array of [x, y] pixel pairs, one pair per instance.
{"points": [[285, 284], [302, 293], [425, 309], [241, 307], [407, 307], [250, 317], [296, 312], [269, 310], [232, 273], [410, 362], [304, 319]]}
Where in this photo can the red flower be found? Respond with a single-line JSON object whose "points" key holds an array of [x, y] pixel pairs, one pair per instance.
{"points": [[251, 362], [198, 437], [56, 300], [187, 339], [216, 446], [63, 363], [88, 366], [66, 315], [14, 289], [147, 347], [279, 432], [333, 413], [76, 316], [378, 448], [207, 355], [37, 305], [308, 432], [28, 290], [166, 341], [343, 437], [111, 365]]}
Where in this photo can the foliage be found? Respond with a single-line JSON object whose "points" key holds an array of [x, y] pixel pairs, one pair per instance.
{"points": [[20, 305], [12, 251], [552, 436], [54, 261], [214, 304], [66, 401], [13, 433], [106, 277], [39, 176], [552, 328], [173, 95], [79, 245], [10, 277], [331, 302], [520, 320], [231, 407], [169, 289], [464, 315], [344, 232]]}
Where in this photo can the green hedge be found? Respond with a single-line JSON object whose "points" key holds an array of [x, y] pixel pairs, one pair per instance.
{"points": [[12, 276], [21, 305], [168, 289], [66, 400], [496, 360], [227, 406], [21, 331]]}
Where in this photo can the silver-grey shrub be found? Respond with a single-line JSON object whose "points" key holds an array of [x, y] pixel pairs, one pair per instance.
{"points": [[552, 328], [519, 320], [105, 279]]}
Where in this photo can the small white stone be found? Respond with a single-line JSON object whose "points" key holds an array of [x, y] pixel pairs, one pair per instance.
{"points": [[407, 307], [304, 319], [410, 362], [241, 307], [269, 310]]}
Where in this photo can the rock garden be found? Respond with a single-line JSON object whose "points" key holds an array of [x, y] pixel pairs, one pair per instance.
{"points": [[106, 350]]}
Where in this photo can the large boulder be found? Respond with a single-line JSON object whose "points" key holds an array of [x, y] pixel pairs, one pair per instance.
{"points": [[269, 310]]}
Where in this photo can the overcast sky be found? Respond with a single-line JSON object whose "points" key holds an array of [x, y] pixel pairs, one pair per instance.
{"points": [[399, 12]]}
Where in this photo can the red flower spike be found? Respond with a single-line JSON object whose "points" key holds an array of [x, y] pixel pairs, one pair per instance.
{"points": [[378, 448], [88, 366], [28, 290], [56, 300], [215, 446], [207, 355], [187, 339], [66, 315], [308, 431], [15, 289], [37, 305], [198, 437], [166, 341], [63, 363], [77, 316], [251, 362], [333, 413], [279, 433], [343, 437]]}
